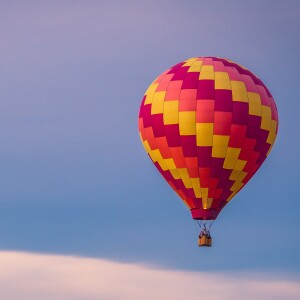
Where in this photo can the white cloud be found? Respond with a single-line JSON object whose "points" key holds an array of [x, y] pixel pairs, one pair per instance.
{"points": [[30, 276]]}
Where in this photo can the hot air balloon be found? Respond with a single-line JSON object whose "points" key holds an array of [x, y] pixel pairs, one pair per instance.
{"points": [[207, 124]]}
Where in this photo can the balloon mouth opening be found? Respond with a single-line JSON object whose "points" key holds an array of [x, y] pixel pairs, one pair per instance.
{"points": [[204, 214]]}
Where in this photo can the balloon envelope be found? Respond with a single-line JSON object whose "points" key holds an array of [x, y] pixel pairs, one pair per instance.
{"points": [[207, 124]]}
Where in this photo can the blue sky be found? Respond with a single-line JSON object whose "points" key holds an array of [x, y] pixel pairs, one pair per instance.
{"points": [[74, 177]]}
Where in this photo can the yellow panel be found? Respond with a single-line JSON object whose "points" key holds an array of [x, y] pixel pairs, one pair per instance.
{"points": [[184, 175], [222, 81], [151, 89], [235, 175], [147, 146], [233, 152], [204, 140], [266, 117], [158, 103], [254, 104], [187, 120], [157, 157], [273, 126], [175, 174], [242, 176], [170, 163], [150, 92], [149, 99], [189, 61], [204, 192], [236, 186], [187, 183], [171, 112], [196, 187], [272, 135], [219, 152], [231, 157], [220, 140], [196, 66], [239, 91], [220, 144], [183, 172], [205, 134], [209, 202], [240, 164], [207, 72], [206, 202], [205, 129], [271, 138], [162, 164]]}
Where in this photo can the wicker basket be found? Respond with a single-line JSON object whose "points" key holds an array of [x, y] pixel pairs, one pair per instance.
{"points": [[204, 241]]}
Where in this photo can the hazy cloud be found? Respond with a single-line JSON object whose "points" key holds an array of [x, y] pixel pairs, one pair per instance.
{"points": [[56, 277]]}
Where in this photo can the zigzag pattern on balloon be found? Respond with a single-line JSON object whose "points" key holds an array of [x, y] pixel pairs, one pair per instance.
{"points": [[207, 124]]}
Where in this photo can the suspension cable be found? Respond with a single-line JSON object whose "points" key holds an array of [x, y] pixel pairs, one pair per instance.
{"points": [[211, 224]]}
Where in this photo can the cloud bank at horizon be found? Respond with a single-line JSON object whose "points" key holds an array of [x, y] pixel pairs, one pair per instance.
{"points": [[58, 277]]}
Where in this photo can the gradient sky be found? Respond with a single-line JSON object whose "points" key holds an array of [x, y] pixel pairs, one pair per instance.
{"points": [[74, 177]]}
